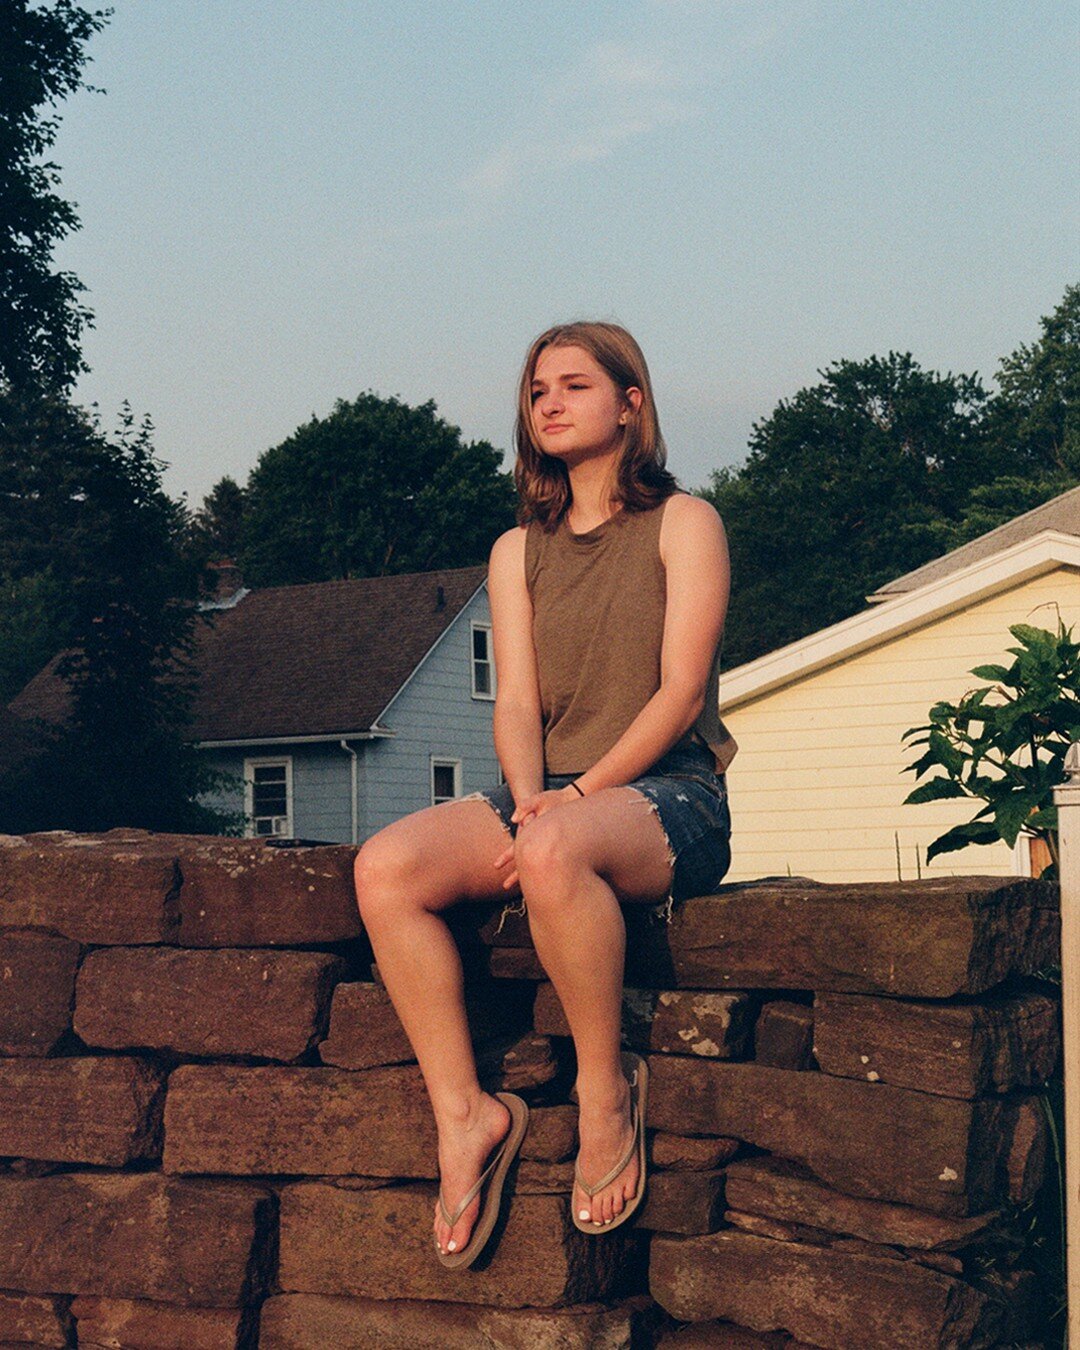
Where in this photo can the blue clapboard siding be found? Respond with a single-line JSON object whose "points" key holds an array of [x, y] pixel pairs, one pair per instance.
{"points": [[434, 715]]}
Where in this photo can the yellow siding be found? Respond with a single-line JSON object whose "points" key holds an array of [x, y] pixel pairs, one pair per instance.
{"points": [[817, 788]]}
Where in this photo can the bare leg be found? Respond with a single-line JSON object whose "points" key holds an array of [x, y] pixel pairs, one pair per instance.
{"points": [[575, 863], [405, 876]]}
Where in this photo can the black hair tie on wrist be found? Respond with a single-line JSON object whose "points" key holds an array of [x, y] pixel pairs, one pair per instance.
{"points": [[577, 789]]}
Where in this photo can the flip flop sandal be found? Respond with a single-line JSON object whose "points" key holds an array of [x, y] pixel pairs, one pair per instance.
{"points": [[637, 1073], [493, 1176]]}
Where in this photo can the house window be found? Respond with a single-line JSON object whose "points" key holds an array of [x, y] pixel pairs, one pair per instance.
{"points": [[483, 664], [445, 780], [268, 796]]}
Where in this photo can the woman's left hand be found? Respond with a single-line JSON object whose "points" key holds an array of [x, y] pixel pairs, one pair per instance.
{"points": [[529, 809]]}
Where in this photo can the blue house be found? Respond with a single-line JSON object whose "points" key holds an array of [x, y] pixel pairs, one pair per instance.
{"points": [[339, 706], [336, 707]]}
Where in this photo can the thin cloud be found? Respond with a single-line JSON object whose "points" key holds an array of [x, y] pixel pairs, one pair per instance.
{"points": [[615, 94]]}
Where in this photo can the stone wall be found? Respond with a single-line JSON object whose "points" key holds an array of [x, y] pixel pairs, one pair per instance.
{"points": [[211, 1133]]}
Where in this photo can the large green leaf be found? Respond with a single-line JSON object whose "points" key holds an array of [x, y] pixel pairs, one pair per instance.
{"points": [[936, 790], [996, 673], [960, 836], [1012, 814]]}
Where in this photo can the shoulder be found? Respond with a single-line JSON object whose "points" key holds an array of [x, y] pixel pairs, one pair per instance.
{"points": [[509, 545], [508, 552], [689, 523]]}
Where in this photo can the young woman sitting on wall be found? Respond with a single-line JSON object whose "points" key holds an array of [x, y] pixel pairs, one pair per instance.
{"points": [[607, 605]]}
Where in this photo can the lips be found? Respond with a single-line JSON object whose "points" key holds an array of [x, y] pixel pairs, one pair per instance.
{"points": [[556, 426]]}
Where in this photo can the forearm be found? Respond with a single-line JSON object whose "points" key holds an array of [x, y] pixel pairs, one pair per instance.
{"points": [[667, 716], [519, 744]]}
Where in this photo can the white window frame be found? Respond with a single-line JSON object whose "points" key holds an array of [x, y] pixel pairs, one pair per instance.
{"points": [[444, 762], [264, 762], [476, 626]]}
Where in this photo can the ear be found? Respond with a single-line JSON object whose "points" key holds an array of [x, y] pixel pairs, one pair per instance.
{"points": [[634, 397]]}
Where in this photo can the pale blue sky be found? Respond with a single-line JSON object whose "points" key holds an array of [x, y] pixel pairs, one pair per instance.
{"points": [[284, 204]]}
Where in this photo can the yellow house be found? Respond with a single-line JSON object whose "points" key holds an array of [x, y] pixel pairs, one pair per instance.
{"points": [[817, 787]]}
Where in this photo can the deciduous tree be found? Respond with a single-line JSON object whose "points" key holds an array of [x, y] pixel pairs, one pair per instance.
{"points": [[847, 484], [41, 314], [376, 487]]}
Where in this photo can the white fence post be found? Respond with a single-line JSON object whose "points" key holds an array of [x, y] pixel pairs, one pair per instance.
{"points": [[1067, 798]]}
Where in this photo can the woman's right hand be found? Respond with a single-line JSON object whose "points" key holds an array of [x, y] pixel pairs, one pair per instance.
{"points": [[529, 808]]}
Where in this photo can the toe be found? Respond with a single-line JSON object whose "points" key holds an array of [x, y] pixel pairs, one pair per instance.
{"points": [[458, 1237]]}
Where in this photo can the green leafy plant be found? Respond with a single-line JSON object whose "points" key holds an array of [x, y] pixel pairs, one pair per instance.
{"points": [[1005, 743]]}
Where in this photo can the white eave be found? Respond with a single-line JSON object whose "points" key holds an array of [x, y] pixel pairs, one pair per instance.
{"points": [[891, 618], [375, 733]]}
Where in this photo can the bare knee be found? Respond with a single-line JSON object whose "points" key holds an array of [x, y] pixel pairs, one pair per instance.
{"points": [[548, 860], [382, 872]]}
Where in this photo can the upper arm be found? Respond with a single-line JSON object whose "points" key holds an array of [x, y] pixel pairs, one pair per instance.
{"points": [[511, 620], [693, 548]]}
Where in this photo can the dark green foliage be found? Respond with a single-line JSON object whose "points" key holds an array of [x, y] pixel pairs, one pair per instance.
{"points": [[1005, 743], [850, 483], [87, 532], [215, 533], [377, 487], [883, 466], [1038, 412], [41, 317]]}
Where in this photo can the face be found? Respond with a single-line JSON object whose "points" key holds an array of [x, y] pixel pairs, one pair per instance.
{"points": [[577, 409]]}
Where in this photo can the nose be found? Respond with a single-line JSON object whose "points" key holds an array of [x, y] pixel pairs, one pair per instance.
{"points": [[551, 403]]}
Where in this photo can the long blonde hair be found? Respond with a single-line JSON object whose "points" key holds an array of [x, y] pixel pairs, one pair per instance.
{"points": [[641, 479]]}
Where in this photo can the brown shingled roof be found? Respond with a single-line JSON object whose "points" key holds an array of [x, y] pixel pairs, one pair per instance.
{"points": [[1061, 513], [321, 659]]}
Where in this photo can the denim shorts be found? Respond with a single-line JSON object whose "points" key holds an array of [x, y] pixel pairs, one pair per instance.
{"points": [[690, 801]]}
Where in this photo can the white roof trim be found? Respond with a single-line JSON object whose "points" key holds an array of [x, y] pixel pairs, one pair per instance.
{"points": [[901, 614], [375, 733]]}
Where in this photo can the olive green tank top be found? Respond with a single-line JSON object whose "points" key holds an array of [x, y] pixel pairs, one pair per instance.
{"points": [[598, 625]]}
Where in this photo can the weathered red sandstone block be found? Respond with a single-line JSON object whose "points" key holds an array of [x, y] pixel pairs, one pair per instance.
{"points": [[365, 1032], [959, 1050], [926, 939], [230, 1002], [105, 1323], [93, 888], [552, 1134], [242, 893], [784, 1035], [829, 1298], [819, 1237], [242, 1120], [683, 1202], [681, 1022], [685, 1153], [317, 1121], [727, 1336], [783, 1191], [37, 988], [936, 1153], [543, 1178], [526, 1062], [29, 1320], [236, 1119], [89, 1110], [378, 1244], [139, 1236], [515, 963], [319, 1321]]}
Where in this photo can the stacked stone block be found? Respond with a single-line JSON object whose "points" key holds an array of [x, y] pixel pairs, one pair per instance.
{"points": [[212, 1132]]}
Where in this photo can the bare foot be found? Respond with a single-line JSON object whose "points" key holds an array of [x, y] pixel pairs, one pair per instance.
{"points": [[606, 1134], [465, 1147]]}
